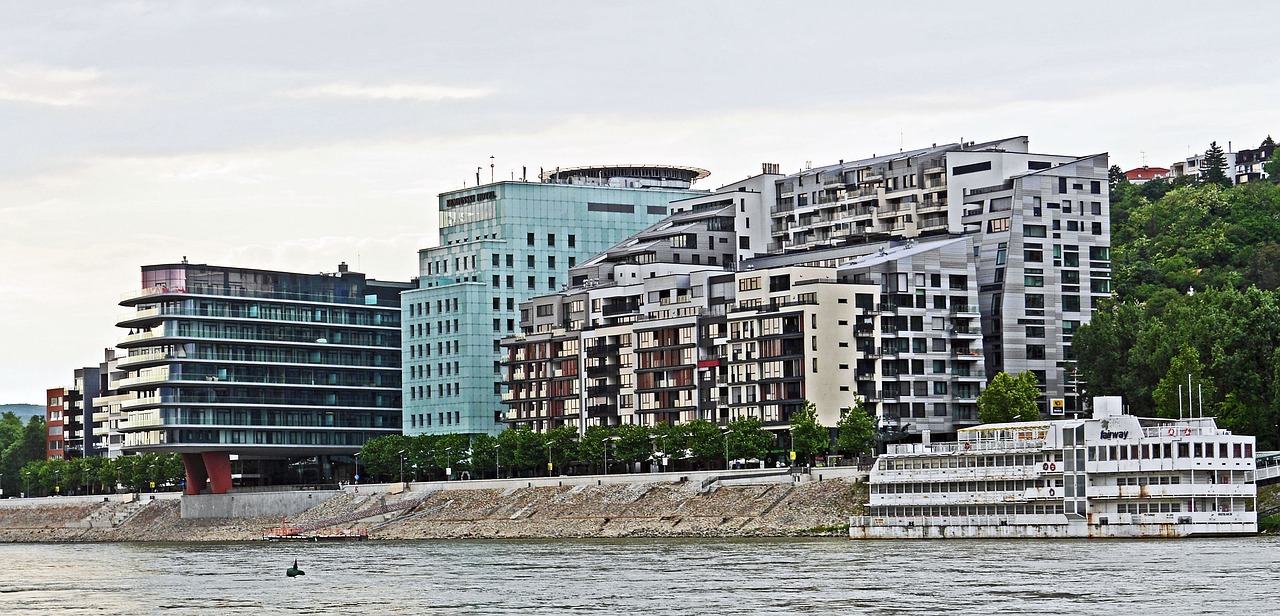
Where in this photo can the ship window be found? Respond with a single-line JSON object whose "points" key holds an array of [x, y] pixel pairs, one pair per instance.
{"points": [[1080, 459], [1222, 450], [1248, 450], [1208, 450], [1184, 450], [1198, 450], [1133, 452], [1236, 451], [1068, 437]]}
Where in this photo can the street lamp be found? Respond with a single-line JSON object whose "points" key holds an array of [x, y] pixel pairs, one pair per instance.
{"points": [[497, 466], [662, 459], [401, 466], [548, 458], [357, 457], [606, 440], [726, 434]]}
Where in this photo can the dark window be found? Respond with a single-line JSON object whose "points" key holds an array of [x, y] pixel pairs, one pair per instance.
{"points": [[529, 239], [972, 168], [551, 239], [1062, 185], [1095, 187], [1038, 164], [657, 209], [573, 241], [620, 208]]}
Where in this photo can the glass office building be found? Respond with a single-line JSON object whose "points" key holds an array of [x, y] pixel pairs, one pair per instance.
{"points": [[502, 244], [289, 373]]}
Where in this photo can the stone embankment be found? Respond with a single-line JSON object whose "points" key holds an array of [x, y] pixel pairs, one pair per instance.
{"points": [[635, 507]]}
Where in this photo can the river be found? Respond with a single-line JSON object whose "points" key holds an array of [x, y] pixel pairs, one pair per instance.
{"points": [[642, 577]]}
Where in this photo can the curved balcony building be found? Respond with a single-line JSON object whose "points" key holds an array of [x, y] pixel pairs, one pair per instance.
{"points": [[267, 366]]}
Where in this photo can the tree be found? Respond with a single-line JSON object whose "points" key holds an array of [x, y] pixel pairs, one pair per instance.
{"points": [[748, 439], [855, 432], [703, 440], [1214, 168], [808, 437], [1116, 177], [1009, 398]]}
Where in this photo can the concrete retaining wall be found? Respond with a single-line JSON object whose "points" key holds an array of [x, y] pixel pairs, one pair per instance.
{"points": [[252, 504]]}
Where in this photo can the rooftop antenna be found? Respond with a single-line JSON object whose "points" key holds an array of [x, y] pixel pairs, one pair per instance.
{"points": [[1179, 402], [900, 142], [478, 175], [1144, 158], [490, 169]]}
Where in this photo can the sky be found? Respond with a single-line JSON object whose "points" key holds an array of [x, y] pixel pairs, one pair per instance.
{"points": [[297, 135]]}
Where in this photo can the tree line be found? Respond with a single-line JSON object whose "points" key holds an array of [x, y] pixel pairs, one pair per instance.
{"points": [[1196, 271], [698, 444]]}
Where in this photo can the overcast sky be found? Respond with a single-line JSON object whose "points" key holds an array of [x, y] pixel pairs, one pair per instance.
{"points": [[294, 135]]}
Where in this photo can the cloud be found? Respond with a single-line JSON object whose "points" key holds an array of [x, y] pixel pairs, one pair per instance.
{"points": [[395, 91], [52, 86]]}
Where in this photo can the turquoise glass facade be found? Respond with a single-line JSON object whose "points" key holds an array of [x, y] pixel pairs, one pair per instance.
{"points": [[500, 244]]}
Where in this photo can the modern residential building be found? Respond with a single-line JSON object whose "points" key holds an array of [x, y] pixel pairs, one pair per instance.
{"points": [[107, 414], [502, 244], [1249, 162], [1194, 164], [288, 373], [635, 338], [1040, 225], [54, 412], [902, 282]]}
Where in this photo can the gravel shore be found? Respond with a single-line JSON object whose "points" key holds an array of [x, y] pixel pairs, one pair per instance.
{"points": [[618, 510]]}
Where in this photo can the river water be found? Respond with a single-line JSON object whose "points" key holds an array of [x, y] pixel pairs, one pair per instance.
{"points": [[641, 577]]}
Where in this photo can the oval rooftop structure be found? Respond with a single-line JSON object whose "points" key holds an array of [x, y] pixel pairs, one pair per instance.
{"points": [[628, 176]]}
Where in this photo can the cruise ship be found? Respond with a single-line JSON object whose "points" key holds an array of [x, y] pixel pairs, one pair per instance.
{"points": [[1114, 475]]}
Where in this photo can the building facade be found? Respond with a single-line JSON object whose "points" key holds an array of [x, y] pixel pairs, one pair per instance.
{"points": [[502, 244], [270, 367], [54, 412], [1040, 225]]}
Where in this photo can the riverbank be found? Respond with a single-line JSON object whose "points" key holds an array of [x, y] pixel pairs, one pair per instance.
{"points": [[623, 506]]}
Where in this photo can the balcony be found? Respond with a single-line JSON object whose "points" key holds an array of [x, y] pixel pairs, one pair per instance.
{"points": [[603, 370], [597, 391], [600, 349], [602, 410]]}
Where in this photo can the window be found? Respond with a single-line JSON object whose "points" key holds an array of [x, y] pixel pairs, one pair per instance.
{"points": [[1070, 277], [497, 259], [532, 283], [1071, 303], [529, 239], [998, 225], [939, 366], [1033, 280], [1096, 207], [1096, 228], [532, 262], [551, 261], [1034, 300], [573, 241], [971, 168], [551, 239], [1034, 231], [1035, 331], [940, 388], [1033, 256], [1095, 187], [1099, 253], [511, 260], [1035, 351]]}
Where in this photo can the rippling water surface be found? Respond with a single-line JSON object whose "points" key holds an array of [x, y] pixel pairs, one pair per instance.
{"points": [[640, 577]]}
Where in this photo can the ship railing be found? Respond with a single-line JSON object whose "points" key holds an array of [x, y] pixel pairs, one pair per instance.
{"points": [[941, 520], [968, 446], [1179, 430]]}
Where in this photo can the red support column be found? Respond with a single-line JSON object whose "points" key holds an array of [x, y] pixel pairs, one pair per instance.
{"points": [[218, 466], [197, 474]]}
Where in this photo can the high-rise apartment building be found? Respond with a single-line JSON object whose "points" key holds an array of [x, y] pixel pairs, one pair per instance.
{"points": [[902, 282], [502, 244], [1040, 224], [270, 367]]}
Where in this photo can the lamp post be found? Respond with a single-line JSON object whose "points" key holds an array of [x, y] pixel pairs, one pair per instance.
{"points": [[726, 434], [497, 467], [357, 476], [401, 466], [548, 458], [606, 440], [660, 455]]}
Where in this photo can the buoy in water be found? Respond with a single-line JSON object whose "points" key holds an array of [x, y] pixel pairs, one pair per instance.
{"points": [[294, 571]]}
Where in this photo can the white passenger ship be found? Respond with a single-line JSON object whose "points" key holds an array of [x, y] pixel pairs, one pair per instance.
{"points": [[1114, 475]]}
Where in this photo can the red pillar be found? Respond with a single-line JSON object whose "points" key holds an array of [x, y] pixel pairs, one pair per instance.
{"points": [[218, 467], [197, 474]]}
